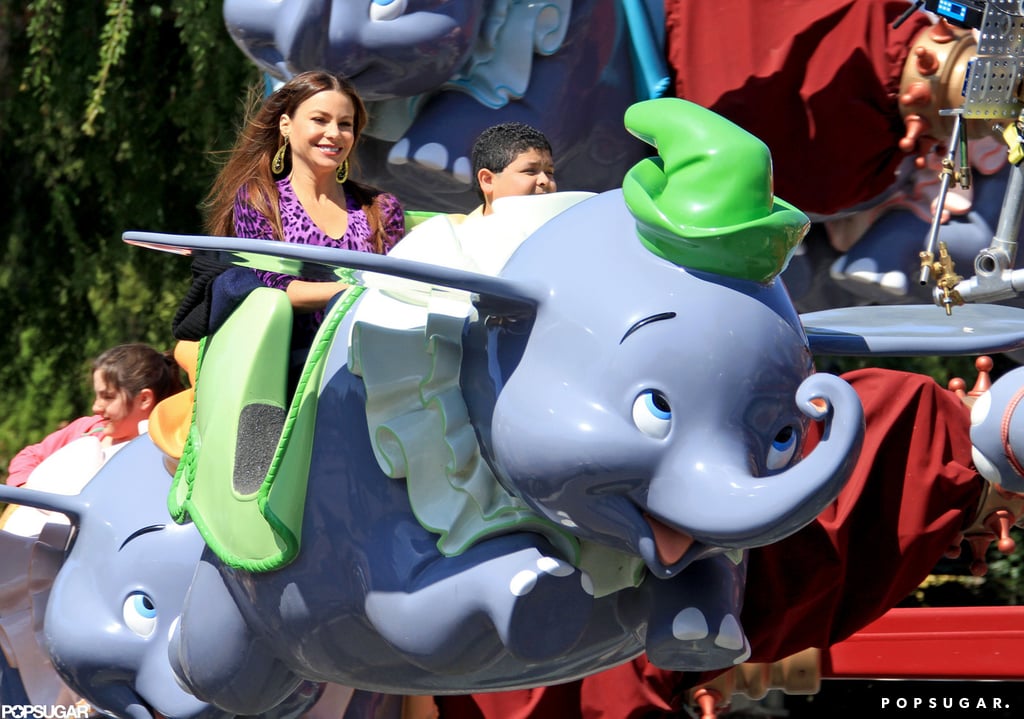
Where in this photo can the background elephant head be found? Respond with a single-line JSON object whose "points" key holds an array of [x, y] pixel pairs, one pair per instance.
{"points": [[120, 589]]}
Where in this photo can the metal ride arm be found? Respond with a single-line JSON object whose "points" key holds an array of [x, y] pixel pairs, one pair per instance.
{"points": [[992, 92], [946, 278]]}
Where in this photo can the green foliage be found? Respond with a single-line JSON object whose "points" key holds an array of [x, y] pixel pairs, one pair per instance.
{"points": [[953, 585], [109, 113], [1006, 572], [940, 369], [113, 42]]}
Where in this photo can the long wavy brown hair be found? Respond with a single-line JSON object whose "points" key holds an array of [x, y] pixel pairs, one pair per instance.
{"points": [[248, 164]]}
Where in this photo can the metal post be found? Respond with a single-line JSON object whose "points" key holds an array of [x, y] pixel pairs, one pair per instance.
{"points": [[948, 169], [1005, 239]]}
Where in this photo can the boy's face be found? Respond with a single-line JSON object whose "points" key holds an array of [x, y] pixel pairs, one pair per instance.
{"points": [[530, 173]]}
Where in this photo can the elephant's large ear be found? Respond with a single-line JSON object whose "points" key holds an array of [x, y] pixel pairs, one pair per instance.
{"points": [[496, 295], [914, 330], [71, 505]]}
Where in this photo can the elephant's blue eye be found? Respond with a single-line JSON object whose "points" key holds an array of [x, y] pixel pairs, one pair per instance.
{"points": [[783, 447], [381, 10], [140, 614], [652, 414]]}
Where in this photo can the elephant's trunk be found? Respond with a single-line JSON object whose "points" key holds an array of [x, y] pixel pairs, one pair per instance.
{"points": [[722, 504]]}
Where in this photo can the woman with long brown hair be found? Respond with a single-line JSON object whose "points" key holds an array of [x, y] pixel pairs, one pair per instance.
{"points": [[288, 178]]}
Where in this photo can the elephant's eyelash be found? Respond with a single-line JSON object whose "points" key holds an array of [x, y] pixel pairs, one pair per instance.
{"points": [[646, 321], [139, 532]]}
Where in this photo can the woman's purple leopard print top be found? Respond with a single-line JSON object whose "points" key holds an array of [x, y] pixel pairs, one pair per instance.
{"points": [[299, 228]]}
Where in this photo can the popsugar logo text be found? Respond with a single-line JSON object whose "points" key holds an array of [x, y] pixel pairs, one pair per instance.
{"points": [[975, 703], [41, 711]]}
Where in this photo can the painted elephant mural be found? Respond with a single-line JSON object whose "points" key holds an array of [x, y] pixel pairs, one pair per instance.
{"points": [[435, 74]]}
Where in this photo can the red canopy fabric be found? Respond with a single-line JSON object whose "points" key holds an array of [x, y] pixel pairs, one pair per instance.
{"points": [[816, 80]]}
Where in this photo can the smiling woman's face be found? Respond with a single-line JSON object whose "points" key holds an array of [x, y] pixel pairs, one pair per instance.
{"points": [[321, 132], [122, 413]]}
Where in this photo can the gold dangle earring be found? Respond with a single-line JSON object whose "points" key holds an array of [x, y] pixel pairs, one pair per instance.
{"points": [[277, 166], [342, 171]]}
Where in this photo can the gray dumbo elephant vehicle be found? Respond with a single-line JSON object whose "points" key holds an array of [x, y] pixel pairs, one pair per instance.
{"points": [[87, 608], [533, 461], [543, 469], [519, 452], [103, 611]]}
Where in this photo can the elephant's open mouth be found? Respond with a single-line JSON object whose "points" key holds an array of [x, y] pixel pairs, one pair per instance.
{"points": [[670, 547]]}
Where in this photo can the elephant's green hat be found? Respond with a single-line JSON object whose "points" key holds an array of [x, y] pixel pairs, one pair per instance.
{"points": [[707, 201]]}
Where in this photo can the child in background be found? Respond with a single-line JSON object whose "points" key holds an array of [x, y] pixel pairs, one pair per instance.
{"points": [[128, 381]]}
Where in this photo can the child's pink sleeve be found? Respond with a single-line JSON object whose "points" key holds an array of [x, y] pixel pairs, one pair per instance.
{"points": [[22, 464]]}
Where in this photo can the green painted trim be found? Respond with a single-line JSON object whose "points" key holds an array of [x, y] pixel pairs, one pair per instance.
{"points": [[184, 474]]}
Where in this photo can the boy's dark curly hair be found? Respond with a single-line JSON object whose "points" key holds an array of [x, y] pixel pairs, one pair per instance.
{"points": [[497, 146]]}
